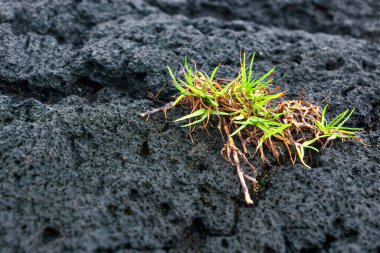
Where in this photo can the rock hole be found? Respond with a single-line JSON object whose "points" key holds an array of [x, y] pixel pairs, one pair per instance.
{"points": [[312, 249], [347, 90], [159, 29], [134, 194], [351, 234], [79, 110], [8, 120], [338, 222], [112, 208], [144, 150], [322, 12], [329, 239], [193, 237], [297, 59], [235, 26], [49, 234], [104, 250], [268, 249], [136, 80], [198, 225], [203, 190], [141, 76], [87, 87], [127, 210], [333, 64], [320, 8], [165, 209], [60, 39], [225, 244], [17, 177], [165, 127], [23, 90], [314, 159], [368, 66], [202, 167], [176, 221]]}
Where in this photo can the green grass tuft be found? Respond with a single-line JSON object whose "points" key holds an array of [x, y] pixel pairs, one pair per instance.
{"points": [[252, 113]]}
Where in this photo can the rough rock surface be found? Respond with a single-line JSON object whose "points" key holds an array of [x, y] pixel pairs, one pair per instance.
{"points": [[356, 18], [81, 172]]}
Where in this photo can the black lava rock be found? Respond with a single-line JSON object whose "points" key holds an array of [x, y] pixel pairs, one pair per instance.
{"points": [[80, 171]]}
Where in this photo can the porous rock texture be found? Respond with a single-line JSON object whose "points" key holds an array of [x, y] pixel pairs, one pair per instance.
{"points": [[80, 171]]}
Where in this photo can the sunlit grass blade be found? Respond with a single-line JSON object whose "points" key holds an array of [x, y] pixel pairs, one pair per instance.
{"points": [[272, 132], [313, 148], [344, 121], [258, 81], [214, 72], [192, 115], [228, 86], [323, 120], [197, 121], [337, 119], [301, 155], [176, 84], [350, 129], [243, 69], [239, 129], [321, 126], [178, 99], [250, 72], [221, 113]]}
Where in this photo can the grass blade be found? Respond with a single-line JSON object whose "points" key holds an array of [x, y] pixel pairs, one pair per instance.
{"points": [[192, 115], [176, 84]]}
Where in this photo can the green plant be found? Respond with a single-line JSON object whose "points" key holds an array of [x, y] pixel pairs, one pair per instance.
{"points": [[250, 113]]}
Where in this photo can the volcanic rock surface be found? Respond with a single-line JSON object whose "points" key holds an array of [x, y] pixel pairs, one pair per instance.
{"points": [[80, 171]]}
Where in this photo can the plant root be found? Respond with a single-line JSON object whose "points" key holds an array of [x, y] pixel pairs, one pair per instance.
{"points": [[155, 110]]}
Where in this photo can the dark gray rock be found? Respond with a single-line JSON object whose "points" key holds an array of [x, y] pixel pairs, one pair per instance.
{"points": [[354, 18], [81, 172]]}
